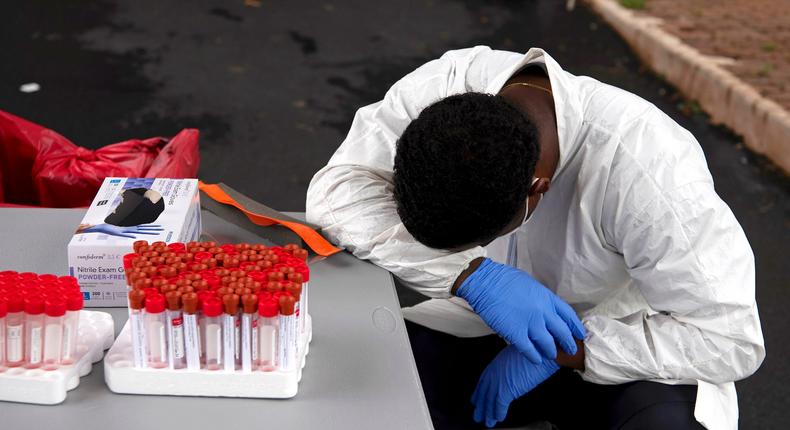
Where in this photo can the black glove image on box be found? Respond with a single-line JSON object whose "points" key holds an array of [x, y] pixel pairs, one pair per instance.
{"points": [[137, 206]]}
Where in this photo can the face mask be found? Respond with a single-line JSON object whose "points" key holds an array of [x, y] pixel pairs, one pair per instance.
{"points": [[526, 214]]}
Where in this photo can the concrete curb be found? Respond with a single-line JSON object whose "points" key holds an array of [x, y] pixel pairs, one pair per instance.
{"points": [[764, 124]]}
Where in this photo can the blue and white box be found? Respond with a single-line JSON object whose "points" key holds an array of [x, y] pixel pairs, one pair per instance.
{"points": [[126, 210]]}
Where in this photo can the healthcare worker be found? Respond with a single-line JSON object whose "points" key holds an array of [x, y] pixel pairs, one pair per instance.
{"points": [[507, 189]]}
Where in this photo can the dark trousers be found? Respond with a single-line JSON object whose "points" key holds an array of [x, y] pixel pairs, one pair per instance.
{"points": [[450, 366]]}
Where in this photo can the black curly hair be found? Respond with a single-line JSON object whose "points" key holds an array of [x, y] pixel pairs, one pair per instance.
{"points": [[463, 168]]}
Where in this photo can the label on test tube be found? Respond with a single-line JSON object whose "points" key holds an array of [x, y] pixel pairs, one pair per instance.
{"points": [[14, 348], [237, 344], [178, 338], [231, 331], [229, 341], [254, 340], [35, 345], [192, 342], [191, 334], [249, 333], [286, 346], [138, 334], [246, 342]]}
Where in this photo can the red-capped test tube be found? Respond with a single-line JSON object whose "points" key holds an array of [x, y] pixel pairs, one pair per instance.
{"points": [[191, 336], [267, 334], [212, 311], [71, 325], [15, 331], [286, 339], [295, 289], [249, 331], [230, 341], [34, 331], [137, 325], [54, 312], [175, 330], [156, 331]]}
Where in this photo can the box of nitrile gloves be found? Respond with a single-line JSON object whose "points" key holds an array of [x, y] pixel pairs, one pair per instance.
{"points": [[126, 210]]}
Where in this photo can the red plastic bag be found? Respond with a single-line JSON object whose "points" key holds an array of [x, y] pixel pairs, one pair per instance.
{"points": [[39, 167]]}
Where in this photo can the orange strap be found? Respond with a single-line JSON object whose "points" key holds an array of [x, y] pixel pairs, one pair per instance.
{"points": [[315, 241]]}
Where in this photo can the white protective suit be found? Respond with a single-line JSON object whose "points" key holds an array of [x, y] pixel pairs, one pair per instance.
{"points": [[631, 232]]}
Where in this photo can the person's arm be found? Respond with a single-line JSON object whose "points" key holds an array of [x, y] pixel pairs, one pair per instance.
{"points": [[690, 259], [351, 198]]}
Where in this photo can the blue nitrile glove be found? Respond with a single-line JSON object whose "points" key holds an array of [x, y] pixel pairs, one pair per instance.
{"points": [[130, 232], [509, 376], [521, 310]]}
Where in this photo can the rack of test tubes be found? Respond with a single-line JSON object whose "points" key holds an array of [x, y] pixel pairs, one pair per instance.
{"points": [[213, 320], [46, 340]]}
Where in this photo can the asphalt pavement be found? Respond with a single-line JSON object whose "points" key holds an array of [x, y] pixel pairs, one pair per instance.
{"points": [[273, 90]]}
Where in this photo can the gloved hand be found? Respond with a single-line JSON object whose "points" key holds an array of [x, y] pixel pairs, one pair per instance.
{"points": [[521, 310], [509, 376], [130, 232]]}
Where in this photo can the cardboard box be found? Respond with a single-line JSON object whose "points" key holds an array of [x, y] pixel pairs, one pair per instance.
{"points": [[126, 210]]}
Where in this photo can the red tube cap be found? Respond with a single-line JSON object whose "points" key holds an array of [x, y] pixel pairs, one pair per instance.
{"points": [[68, 280], [47, 278], [34, 305], [287, 305], [75, 301], [16, 303], [268, 308], [155, 303], [212, 306], [55, 308]]}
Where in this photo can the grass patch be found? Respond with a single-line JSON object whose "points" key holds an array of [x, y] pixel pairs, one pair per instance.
{"points": [[768, 47], [765, 69], [633, 4]]}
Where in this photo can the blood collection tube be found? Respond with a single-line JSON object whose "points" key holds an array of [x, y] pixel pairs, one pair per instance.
{"points": [[155, 331], [202, 323], [34, 331], [286, 342], [175, 331], [267, 334], [55, 312], [229, 320], [137, 324], [3, 313], [212, 311], [71, 324], [191, 336], [15, 331], [249, 332]]}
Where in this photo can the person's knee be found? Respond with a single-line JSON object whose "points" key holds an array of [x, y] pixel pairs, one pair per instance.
{"points": [[676, 415], [651, 405]]}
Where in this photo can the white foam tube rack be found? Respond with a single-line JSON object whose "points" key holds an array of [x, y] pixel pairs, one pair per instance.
{"points": [[49, 387], [122, 377]]}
